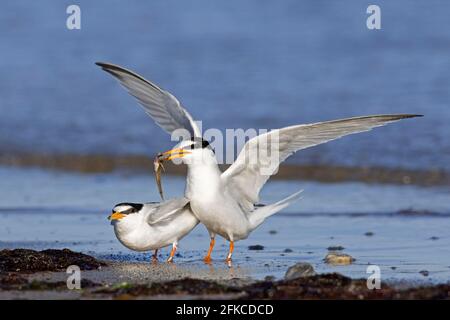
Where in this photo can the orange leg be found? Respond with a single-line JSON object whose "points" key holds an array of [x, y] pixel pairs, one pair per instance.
{"points": [[155, 256], [207, 259], [172, 253], [230, 252]]}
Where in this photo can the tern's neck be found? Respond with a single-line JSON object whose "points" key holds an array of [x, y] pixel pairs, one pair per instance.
{"points": [[202, 178]]}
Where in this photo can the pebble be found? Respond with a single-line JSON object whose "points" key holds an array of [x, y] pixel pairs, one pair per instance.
{"points": [[269, 278], [340, 259], [425, 273], [287, 250], [369, 234], [299, 270], [256, 247], [335, 248]]}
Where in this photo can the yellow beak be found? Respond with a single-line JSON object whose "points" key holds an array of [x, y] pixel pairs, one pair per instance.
{"points": [[116, 216], [172, 154]]}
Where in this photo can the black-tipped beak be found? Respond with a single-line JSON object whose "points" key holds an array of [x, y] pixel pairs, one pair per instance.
{"points": [[172, 154]]}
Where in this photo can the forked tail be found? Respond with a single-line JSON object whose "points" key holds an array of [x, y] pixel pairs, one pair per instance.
{"points": [[259, 215]]}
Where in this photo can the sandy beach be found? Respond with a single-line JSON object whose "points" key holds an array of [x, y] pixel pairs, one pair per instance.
{"points": [[125, 280]]}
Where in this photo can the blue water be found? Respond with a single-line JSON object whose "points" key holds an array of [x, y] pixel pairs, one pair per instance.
{"points": [[35, 190], [61, 210], [234, 64]]}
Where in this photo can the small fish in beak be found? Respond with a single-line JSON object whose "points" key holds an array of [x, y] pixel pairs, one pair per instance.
{"points": [[158, 168]]}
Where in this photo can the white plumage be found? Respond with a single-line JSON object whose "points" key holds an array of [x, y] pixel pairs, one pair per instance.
{"points": [[151, 226], [224, 202]]}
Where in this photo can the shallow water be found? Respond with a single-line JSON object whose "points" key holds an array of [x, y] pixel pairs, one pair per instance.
{"points": [[234, 64], [58, 210]]}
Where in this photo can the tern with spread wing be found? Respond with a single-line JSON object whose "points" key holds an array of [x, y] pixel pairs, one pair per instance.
{"points": [[225, 201]]}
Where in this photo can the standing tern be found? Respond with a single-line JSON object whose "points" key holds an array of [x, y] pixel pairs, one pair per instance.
{"points": [[225, 201], [151, 226]]}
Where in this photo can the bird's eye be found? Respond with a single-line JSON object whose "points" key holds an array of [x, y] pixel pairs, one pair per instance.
{"points": [[128, 211], [205, 144], [192, 146]]}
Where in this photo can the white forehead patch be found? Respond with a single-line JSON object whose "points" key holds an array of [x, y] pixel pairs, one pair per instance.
{"points": [[184, 144], [122, 208]]}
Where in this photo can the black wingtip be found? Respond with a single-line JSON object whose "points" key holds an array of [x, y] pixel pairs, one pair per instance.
{"points": [[402, 116], [413, 115], [105, 65]]}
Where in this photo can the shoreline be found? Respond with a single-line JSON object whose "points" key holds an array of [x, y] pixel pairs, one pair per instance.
{"points": [[106, 279], [100, 163]]}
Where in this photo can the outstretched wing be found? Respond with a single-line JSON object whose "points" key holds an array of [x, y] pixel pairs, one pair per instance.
{"points": [[167, 210], [262, 155], [162, 106]]}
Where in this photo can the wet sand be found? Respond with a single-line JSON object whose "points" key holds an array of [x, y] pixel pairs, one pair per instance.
{"points": [[118, 280], [400, 246]]}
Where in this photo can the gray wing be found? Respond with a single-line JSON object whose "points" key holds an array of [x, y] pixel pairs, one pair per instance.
{"points": [[160, 105], [262, 155], [166, 210]]}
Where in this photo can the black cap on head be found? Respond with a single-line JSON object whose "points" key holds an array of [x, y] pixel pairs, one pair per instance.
{"points": [[135, 206], [200, 143]]}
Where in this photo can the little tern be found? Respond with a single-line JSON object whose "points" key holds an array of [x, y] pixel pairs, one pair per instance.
{"points": [[225, 201], [151, 226]]}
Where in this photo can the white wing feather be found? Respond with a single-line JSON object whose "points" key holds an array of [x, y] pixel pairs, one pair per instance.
{"points": [[164, 211], [160, 105], [253, 167]]}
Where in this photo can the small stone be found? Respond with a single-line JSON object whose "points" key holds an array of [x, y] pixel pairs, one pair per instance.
{"points": [[434, 238], [269, 278], [273, 231], [425, 273], [287, 250], [338, 259], [369, 234], [299, 270], [393, 268], [335, 248], [256, 247]]}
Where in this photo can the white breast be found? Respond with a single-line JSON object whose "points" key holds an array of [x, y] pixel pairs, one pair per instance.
{"points": [[215, 208], [136, 234]]}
